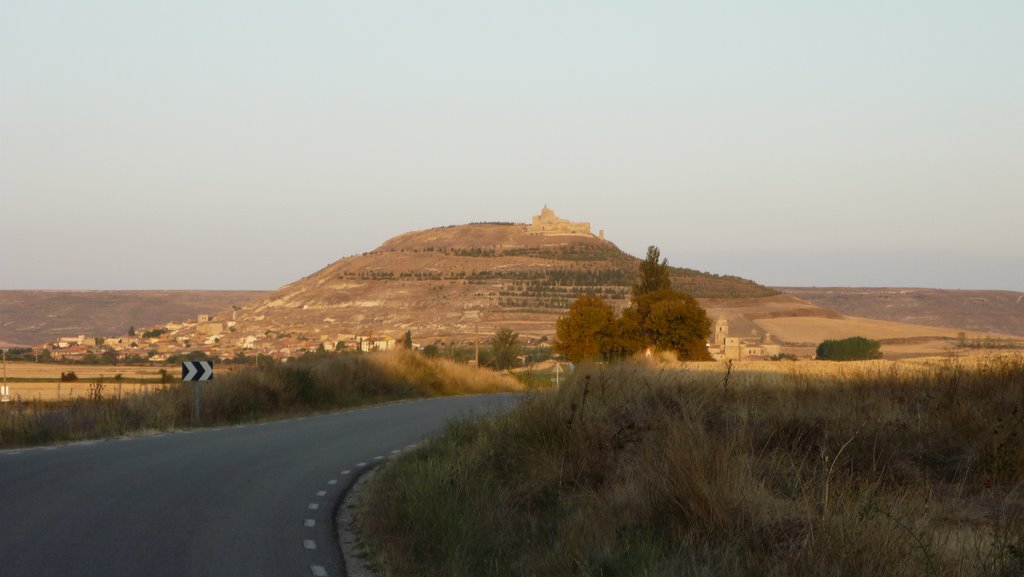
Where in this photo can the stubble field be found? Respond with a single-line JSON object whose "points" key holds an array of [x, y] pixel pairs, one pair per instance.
{"points": [[42, 381]]}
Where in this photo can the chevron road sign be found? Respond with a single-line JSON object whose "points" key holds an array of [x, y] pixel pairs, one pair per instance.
{"points": [[196, 371]]}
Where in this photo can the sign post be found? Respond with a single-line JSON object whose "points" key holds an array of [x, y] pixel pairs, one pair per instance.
{"points": [[558, 373], [5, 393], [196, 371]]}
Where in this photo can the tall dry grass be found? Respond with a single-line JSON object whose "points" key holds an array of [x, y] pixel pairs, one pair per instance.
{"points": [[314, 383], [638, 469]]}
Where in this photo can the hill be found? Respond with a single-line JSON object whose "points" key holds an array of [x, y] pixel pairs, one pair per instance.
{"points": [[32, 317], [972, 310], [456, 281]]}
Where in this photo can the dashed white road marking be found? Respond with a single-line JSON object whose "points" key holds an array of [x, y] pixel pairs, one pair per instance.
{"points": [[321, 493], [309, 544], [378, 458], [318, 570], [314, 506], [332, 482], [360, 465], [396, 451], [309, 523], [345, 472]]}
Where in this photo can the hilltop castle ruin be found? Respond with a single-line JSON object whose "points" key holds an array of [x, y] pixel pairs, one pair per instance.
{"points": [[549, 224]]}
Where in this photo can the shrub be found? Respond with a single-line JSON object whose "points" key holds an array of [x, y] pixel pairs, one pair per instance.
{"points": [[851, 349]]}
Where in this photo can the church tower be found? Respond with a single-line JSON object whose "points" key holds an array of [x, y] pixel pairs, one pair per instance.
{"points": [[721, 332]]}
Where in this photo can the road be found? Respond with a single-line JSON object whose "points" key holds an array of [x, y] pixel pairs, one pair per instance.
{"points": [[246, 500]]}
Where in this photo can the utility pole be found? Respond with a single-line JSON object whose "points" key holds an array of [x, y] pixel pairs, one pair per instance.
{"points": [[477, 356]]}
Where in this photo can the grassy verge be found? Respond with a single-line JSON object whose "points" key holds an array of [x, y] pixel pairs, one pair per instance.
{"points": [[317, 383], [637, 470]]}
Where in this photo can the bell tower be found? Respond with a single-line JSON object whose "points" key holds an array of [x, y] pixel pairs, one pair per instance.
{"points": [[721, 331]]}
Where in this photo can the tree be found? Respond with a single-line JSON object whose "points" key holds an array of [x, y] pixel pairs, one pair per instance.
{"points": [[851, 349], [588, 331], [431, 351], [654, 275], [505, 344], [131, 331], [658, 317], [677, 323], [407, 340]]}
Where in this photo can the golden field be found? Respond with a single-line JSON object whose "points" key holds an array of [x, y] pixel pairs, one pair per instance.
{"points": [[26, 380], [778, 372]]}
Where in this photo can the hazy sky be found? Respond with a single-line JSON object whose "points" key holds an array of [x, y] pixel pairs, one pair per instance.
{"points": [[214, 144]]}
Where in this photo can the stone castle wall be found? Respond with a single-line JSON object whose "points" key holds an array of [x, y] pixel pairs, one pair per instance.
{"points": [[549, 223]]}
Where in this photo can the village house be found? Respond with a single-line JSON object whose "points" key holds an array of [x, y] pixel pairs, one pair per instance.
{"points": [[64, 342], [372, 344]]}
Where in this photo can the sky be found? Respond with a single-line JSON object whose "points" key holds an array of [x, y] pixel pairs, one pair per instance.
{"points": [[244, 144]]}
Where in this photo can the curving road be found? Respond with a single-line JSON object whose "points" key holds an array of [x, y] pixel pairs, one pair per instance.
{"points": [[247, 500]]}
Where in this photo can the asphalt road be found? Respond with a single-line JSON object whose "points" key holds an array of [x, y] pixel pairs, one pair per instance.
{"points": [[247, 500]]}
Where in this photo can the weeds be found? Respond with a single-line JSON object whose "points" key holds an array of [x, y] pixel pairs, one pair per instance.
{"points": [[879, 470], [319, 383]]}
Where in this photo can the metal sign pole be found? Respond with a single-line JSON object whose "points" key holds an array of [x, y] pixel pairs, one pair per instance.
{"points": [[5, 394], [196, 384], [196, 371]]}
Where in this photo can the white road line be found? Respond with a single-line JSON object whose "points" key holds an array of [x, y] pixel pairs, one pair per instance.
{"points": [[396, 451], [309, 544], [314, 506], [321, 493], [318, 570], [309, 523], [378, 458], [345, 472], [360, 465], [332, 482]]}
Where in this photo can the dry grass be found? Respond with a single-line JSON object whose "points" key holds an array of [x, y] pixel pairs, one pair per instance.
{"points": [[642, 469], [318, 383]]}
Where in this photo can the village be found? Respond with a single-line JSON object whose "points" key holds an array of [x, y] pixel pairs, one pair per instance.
{"points": [[211, 337], [223, 340]]}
